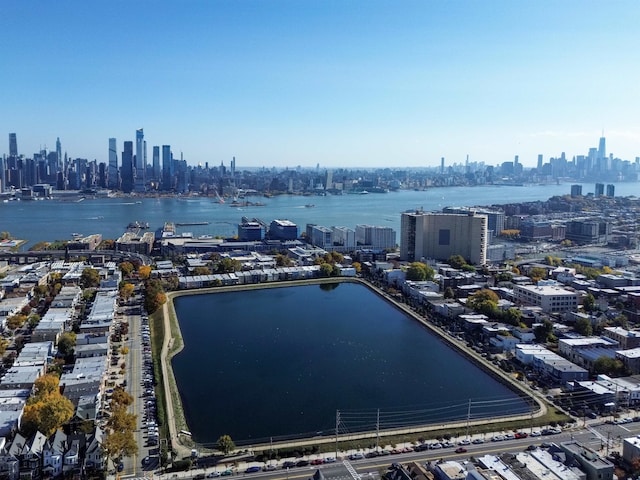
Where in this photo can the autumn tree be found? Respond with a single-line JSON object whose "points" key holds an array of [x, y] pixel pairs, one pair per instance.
{"points": [[154, 296], [119, 439], [419, 271], [126, 290], [15, 321], [538, 273], [225, 444], [120, 397], [126, 268], [46, 410], [144, 271], [357, 266]]}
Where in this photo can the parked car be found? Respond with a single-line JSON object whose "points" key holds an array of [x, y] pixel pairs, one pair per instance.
{"points": [[253, 469]]}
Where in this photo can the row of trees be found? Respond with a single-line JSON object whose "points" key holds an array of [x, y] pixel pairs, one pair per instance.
{"points": [[120, 427], [486, 301]]}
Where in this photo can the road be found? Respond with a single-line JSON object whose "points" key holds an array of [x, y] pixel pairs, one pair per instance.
{"points": [[600, 437]]}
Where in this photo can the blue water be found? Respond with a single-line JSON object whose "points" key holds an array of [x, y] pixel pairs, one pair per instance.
{"points": [[55, 220], [281, 362]]}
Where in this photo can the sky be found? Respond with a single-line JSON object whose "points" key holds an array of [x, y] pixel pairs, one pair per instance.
{"points": [[349, 83]]}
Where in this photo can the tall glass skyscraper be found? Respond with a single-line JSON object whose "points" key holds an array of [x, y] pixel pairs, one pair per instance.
{"points": [[156, 162], [112, 172], [126, 173], [140, 155], [13, 145], [167, 168]]}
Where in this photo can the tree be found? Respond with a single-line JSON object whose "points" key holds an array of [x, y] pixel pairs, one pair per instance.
{"points": [[46, 410], [225, 444], [16, 321], [485, 301], [449, 293], [537, 273], [583, 327], [66, 344], [513, 316], [154, 296], [144, 271], [33, 319], [119, 441], [126, 290], [420, 272], [202, 271], [228, 265], [357, 266], [90, 277], [543, 331], [608, 366], [326, 270], [456, 261], [120, 397], [283, 260], [126, 268], [589, 303]]}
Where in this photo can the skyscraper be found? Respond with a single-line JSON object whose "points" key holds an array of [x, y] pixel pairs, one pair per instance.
{"points": [[58, 154], [156, 162], [13, 145], [112, 172], [167, 168], [140, 156], [126, 173]]}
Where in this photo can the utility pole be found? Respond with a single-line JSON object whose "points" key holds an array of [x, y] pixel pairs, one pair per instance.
{"points": [[378, 430], [337, 423], [468, 418]]}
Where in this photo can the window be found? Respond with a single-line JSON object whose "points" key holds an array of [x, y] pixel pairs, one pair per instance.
{"points": [[444, 237]]}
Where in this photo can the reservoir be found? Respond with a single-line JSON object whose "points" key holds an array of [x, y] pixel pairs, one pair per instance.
{"points": [[280, 362]]}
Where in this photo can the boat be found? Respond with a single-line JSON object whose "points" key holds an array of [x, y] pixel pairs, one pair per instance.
{"points": [[186, 224], [205, 237], [76, 236], [309, 205], [364, 192], [142, 225]]}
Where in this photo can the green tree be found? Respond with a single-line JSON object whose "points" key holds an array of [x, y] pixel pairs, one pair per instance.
{"points": [[228, 265], [225, 444], [326, 269], [419, 271], [89, 278], [513, 316], [449, 293], [608, 366], [33, 319], [66, 344], [583, 327], [485, 301], [589, 303], [456, 261], [543, 331]]}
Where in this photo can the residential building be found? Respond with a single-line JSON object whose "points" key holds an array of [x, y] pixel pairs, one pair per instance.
{"points": [[378, 238]]}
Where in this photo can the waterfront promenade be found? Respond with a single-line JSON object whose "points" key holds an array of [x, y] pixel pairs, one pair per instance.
{"points": [[172, 344]]}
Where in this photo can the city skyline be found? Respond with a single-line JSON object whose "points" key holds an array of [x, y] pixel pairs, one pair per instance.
{"points": [[354, 84]]}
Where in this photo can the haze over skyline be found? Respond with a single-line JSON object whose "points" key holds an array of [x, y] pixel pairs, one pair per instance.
{"points": [[343, 84]]}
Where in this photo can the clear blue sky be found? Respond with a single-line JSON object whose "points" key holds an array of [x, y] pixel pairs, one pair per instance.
{"points": [[340, 83]]}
